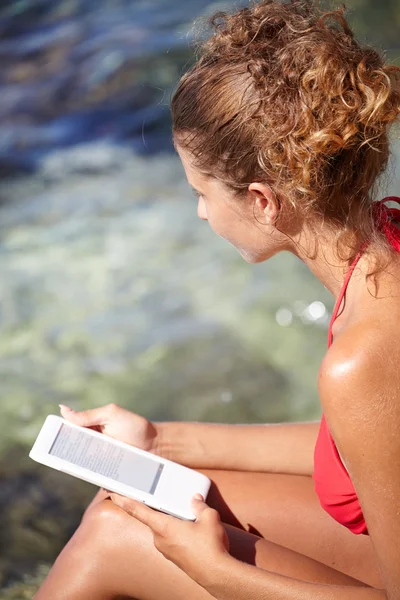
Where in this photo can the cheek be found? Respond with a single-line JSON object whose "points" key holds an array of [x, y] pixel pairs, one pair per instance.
{"points": [[225, 222]]}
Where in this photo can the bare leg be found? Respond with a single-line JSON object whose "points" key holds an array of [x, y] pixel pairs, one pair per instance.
{"points": [[111, 554], [284, 509]]}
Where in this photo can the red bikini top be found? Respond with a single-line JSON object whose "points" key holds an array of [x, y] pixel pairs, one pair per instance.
{"points": [[332, 482]]}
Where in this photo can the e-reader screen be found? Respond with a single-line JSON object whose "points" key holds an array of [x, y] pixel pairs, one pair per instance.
{"points": [[103, 457]]}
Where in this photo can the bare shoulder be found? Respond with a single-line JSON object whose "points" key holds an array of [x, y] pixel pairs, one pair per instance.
{"points": [[360, 371]]}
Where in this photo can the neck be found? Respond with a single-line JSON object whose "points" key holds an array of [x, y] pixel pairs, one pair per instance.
{"points": [[320, 255]]}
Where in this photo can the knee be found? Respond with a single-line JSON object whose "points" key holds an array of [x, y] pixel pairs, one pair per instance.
{"points": [[94, 554], [101, 523], [107, 516], [103, 510], [106, 525]]}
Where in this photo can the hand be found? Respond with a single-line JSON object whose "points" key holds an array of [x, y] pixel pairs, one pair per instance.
{"points": [[196, 547], [118, 423]]}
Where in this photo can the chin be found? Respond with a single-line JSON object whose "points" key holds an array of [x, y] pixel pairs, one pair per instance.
{"points": [[251, 258]]}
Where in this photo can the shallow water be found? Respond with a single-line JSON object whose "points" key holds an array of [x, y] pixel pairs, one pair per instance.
{"points": [[77, 71]]}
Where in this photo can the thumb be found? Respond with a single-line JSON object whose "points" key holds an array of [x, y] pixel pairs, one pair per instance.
{"points": [[85, 418], [198, 505]]}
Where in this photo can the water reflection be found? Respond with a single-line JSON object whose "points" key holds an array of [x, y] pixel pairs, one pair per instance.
{"points": [[315, 313]]}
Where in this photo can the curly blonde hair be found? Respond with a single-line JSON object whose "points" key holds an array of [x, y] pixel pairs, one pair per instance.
{"points": [[283, 93]]}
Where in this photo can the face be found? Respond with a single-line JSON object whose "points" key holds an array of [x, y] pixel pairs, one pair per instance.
{"points": [[245, 223]]}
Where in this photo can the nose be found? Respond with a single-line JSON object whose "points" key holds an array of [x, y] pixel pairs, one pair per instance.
{"points": [[201, 209]]}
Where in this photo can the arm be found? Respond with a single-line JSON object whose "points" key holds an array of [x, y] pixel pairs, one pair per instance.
{"points": [[282, 448], [234, 580], [273, 448], [359, 390]]}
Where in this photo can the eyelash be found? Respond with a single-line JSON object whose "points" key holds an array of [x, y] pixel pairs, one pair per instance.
{"points": [[197, 194]]}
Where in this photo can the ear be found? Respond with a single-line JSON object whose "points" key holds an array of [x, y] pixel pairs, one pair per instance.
{"points": [[266, 205]]}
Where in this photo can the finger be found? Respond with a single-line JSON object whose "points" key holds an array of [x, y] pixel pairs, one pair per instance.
{"points": [[198, 505], [157, 521], [125, 503], [86, 418]]}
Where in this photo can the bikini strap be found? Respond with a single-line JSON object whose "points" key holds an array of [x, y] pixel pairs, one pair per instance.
{"points": [[341, 295], [384, 217]]}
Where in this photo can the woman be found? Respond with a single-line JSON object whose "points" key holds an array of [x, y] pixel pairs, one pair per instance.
{"points": [[282, 127]]}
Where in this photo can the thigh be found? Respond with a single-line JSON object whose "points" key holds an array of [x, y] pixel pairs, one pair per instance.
{"points": [[112, 555], [284, 509]]}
